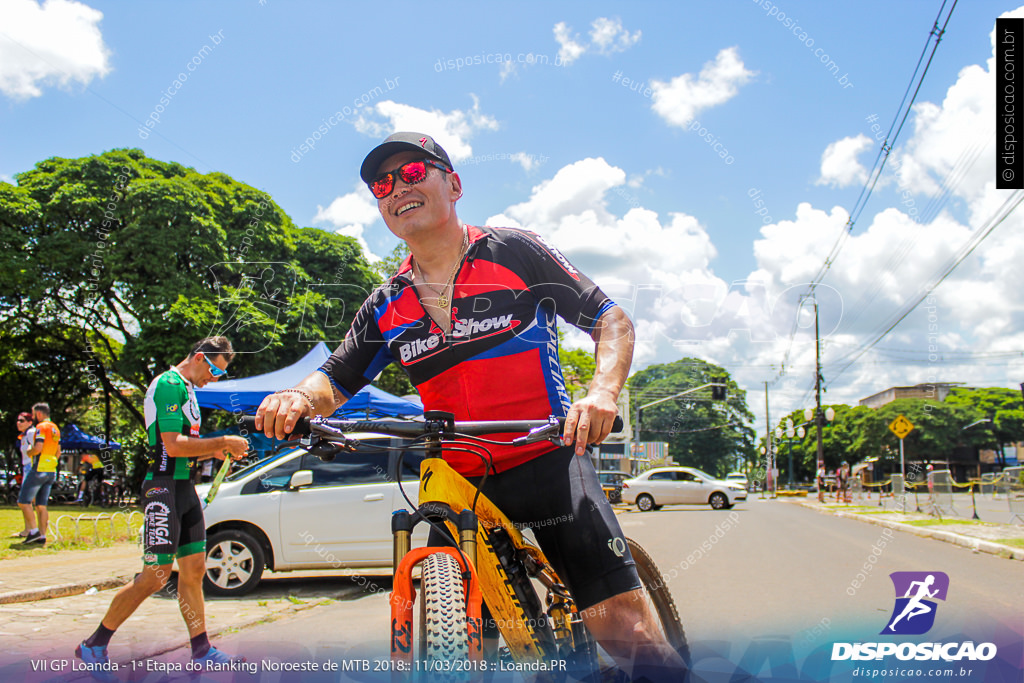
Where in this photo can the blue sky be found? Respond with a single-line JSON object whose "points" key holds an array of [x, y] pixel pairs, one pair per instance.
{"points": [[652, 189]]}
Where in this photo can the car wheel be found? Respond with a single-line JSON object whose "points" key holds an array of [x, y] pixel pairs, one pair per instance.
{"points": [[719, 501], [234, 563], [644, 502]]}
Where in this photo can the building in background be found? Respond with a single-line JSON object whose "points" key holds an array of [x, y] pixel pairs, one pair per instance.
{"points": [[933, 391]]}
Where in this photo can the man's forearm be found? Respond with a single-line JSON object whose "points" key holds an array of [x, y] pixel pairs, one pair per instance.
{"points": [[613, 353], [182, 446]]}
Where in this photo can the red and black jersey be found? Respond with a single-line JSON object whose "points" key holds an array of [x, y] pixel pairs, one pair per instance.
{"points": [[500, 359]]}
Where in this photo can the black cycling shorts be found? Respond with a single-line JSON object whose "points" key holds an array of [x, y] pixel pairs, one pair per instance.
{"points": [[173, 524], [559, 496]]}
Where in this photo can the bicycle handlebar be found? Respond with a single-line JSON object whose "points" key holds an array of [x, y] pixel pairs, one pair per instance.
{"points": [[334, 427]]}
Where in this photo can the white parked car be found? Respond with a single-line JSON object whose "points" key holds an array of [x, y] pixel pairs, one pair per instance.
{"points": [[738, 478], [680, 486], [294, 511]]}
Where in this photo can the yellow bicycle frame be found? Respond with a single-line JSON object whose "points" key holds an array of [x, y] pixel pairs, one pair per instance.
{"points": [[440, 484]]}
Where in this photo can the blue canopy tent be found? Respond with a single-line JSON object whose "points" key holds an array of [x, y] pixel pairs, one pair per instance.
{"points": [[74, 439], [243, 396]]}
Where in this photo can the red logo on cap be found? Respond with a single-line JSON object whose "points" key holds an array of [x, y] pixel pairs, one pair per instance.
{"points": [[423, 142]]}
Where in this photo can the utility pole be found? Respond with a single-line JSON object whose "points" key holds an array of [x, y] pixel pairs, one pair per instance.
{"points": [[769, 460], [817, 387]]}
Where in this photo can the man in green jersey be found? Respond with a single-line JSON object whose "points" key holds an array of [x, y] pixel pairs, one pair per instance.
{"points": [[174, 525]]}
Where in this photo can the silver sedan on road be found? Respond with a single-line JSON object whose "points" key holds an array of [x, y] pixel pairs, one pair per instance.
{"points": [[680, 486]]}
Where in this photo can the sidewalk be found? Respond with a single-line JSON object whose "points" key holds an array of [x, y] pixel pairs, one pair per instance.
{"points": [[47, 608], [37, 576], [981, 537]]}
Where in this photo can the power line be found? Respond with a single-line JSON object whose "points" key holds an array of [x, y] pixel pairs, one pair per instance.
{"points": [[880, 159], [1001, 214]]}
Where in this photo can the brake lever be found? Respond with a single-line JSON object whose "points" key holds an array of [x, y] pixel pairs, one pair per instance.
{"points": [[326, 449], [549, 432], [322, 431]]}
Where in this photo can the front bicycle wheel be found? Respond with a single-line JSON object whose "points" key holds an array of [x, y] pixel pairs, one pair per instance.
{"points": [[660, 600], [443, 631]]}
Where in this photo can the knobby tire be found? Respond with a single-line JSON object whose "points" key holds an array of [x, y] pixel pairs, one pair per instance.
{"points": [[443, 630]]}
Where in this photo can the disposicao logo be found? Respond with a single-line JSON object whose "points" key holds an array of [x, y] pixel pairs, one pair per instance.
{"points": [[916, 592], [914, 614]]}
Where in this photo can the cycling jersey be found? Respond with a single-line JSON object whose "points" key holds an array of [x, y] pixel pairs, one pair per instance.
{"points": [[49, 435], [170, 406], [500, 359]]}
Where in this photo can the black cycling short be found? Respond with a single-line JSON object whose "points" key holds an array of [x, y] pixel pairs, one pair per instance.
{"points": [[559, 496], [173, 524]]}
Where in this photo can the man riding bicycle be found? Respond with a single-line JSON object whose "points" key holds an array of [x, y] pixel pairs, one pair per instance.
{"points": [[470, 316]]}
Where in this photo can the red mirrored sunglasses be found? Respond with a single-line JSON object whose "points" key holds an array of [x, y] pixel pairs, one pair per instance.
{"points": [[410, 173]]}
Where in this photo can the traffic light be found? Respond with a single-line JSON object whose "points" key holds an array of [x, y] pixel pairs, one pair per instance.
{"points": [[718, 389]]}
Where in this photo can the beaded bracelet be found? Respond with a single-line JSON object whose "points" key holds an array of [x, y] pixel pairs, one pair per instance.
{"points": [[303, 394]]}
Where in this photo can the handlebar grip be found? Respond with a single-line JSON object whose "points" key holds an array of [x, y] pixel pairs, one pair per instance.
{"points": [[248, 425]]}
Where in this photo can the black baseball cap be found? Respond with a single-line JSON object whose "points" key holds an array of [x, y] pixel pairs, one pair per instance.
{"points": [[403, 141]]}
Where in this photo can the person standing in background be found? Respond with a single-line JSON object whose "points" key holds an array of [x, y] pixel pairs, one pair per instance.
{"points": [[26, 437], [45, 452]]}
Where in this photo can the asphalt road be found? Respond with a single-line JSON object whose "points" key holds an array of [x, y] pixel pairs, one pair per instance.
{"points": [[767, 574], [767, 570], [781, 568]]}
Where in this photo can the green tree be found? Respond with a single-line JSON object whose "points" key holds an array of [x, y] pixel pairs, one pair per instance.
{"points": [[578, 366], [112, 265], [388, 266], [1001, 407], [858, 433], [701, 432]]}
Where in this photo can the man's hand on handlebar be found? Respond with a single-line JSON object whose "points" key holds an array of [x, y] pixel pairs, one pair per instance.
{"points": [[279, 413], [589, 421]]}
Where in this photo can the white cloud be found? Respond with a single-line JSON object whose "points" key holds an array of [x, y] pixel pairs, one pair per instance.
{"points": [[452, 129], [840, 166], [527, 161], [506, 69], [56, 43], [684, 97], [350, 215], [607, 36], [569, 50]]}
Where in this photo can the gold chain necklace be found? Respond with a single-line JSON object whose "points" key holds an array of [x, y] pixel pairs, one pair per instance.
{"points": [[442, 296]]}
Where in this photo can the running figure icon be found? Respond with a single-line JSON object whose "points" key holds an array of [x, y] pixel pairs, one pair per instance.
{"points": [[915, 606]]}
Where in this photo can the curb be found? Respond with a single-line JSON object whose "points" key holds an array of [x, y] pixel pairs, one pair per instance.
{"points": [[62, 590], [975, 544], [164, 649]]}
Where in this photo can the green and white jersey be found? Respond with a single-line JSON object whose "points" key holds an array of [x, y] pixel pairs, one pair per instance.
{"points": [[170, 406]]}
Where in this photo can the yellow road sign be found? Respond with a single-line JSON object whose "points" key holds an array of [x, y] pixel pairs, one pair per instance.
{"points": [[901, 426]]}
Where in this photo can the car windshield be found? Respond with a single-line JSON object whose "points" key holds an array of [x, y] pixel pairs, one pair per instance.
{"points": [[699, 473], [273, 457]]}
